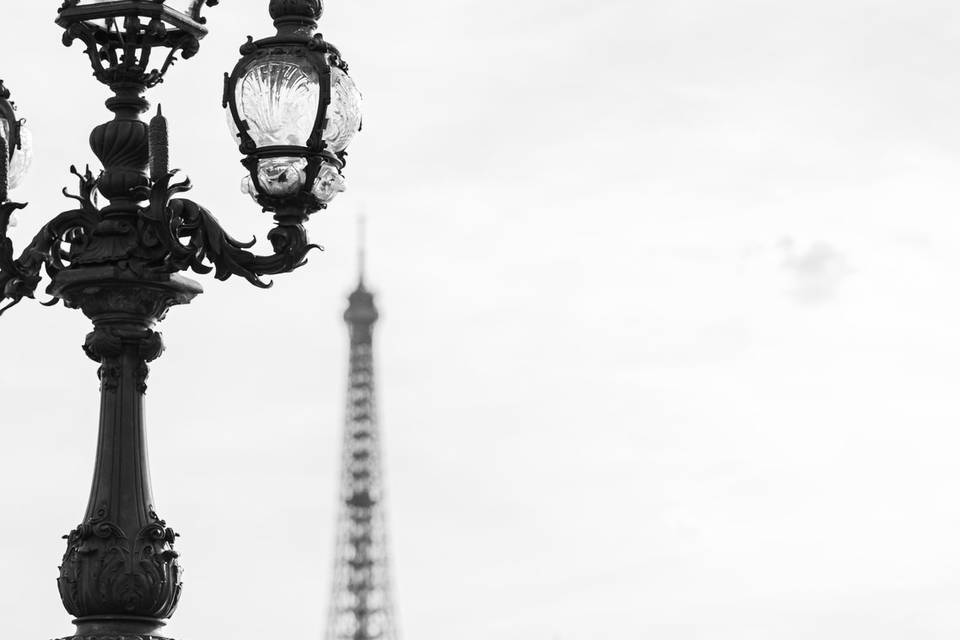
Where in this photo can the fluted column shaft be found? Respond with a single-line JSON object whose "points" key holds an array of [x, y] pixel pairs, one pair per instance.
{"points": [[120, 576]]}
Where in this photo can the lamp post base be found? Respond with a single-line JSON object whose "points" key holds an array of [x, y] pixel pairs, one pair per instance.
{"points": [[116, 628]]}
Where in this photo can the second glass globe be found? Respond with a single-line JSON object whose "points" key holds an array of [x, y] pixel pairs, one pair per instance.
{"points": [[18, 143], [19, 157]]}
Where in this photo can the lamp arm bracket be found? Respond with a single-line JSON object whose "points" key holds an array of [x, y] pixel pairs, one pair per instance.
{"points": [[50, 250], [195, 240]]}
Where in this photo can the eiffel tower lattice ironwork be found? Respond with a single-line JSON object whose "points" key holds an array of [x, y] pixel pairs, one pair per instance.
{"points": [[361, 606]]}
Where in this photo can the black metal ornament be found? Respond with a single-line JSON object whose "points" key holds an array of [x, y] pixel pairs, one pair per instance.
{"points": [[121, 36]]}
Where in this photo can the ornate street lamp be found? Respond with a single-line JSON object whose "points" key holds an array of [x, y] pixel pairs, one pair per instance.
{"points": [[295, 143], [293, 110]]}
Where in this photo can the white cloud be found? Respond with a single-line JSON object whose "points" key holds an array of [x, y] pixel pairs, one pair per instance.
{"points": [[815, 271]]}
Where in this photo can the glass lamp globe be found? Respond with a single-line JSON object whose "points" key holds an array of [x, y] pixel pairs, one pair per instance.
{"points": [[295, 114], [17, 140], [19, 157]]}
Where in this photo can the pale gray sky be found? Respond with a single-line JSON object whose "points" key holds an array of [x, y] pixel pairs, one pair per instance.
{"points": [[670, 340]]}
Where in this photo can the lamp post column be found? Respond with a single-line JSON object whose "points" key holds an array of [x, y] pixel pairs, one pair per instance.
{"points": [[120, 577]]}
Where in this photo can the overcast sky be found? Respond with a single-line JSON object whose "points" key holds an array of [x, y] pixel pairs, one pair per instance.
{"points": [[670, 344]]}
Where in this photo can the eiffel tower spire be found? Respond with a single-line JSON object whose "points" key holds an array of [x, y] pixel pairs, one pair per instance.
{"points": [[362, 248], [361, 605]]}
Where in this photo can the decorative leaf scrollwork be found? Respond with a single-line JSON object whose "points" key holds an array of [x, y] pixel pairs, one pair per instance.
{"points": [[197, 6], [51, 249], [105, 571], [179, 219]]}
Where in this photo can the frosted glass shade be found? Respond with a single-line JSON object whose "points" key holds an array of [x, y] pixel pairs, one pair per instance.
{"points": [[22, 157], [279, 101], [246, 187], [328, 184], [279, 98], [343, 114], [281, 177]]}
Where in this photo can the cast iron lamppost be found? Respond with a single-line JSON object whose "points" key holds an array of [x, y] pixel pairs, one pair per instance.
{"points": [[293, 110]]}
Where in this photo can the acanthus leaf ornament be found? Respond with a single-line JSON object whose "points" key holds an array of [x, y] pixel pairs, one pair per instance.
{"points": [[105, 570], [53, 248], [178, 219]]}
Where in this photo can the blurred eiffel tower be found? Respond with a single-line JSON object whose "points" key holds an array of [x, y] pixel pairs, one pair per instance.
{"points": [[361, 606]]}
